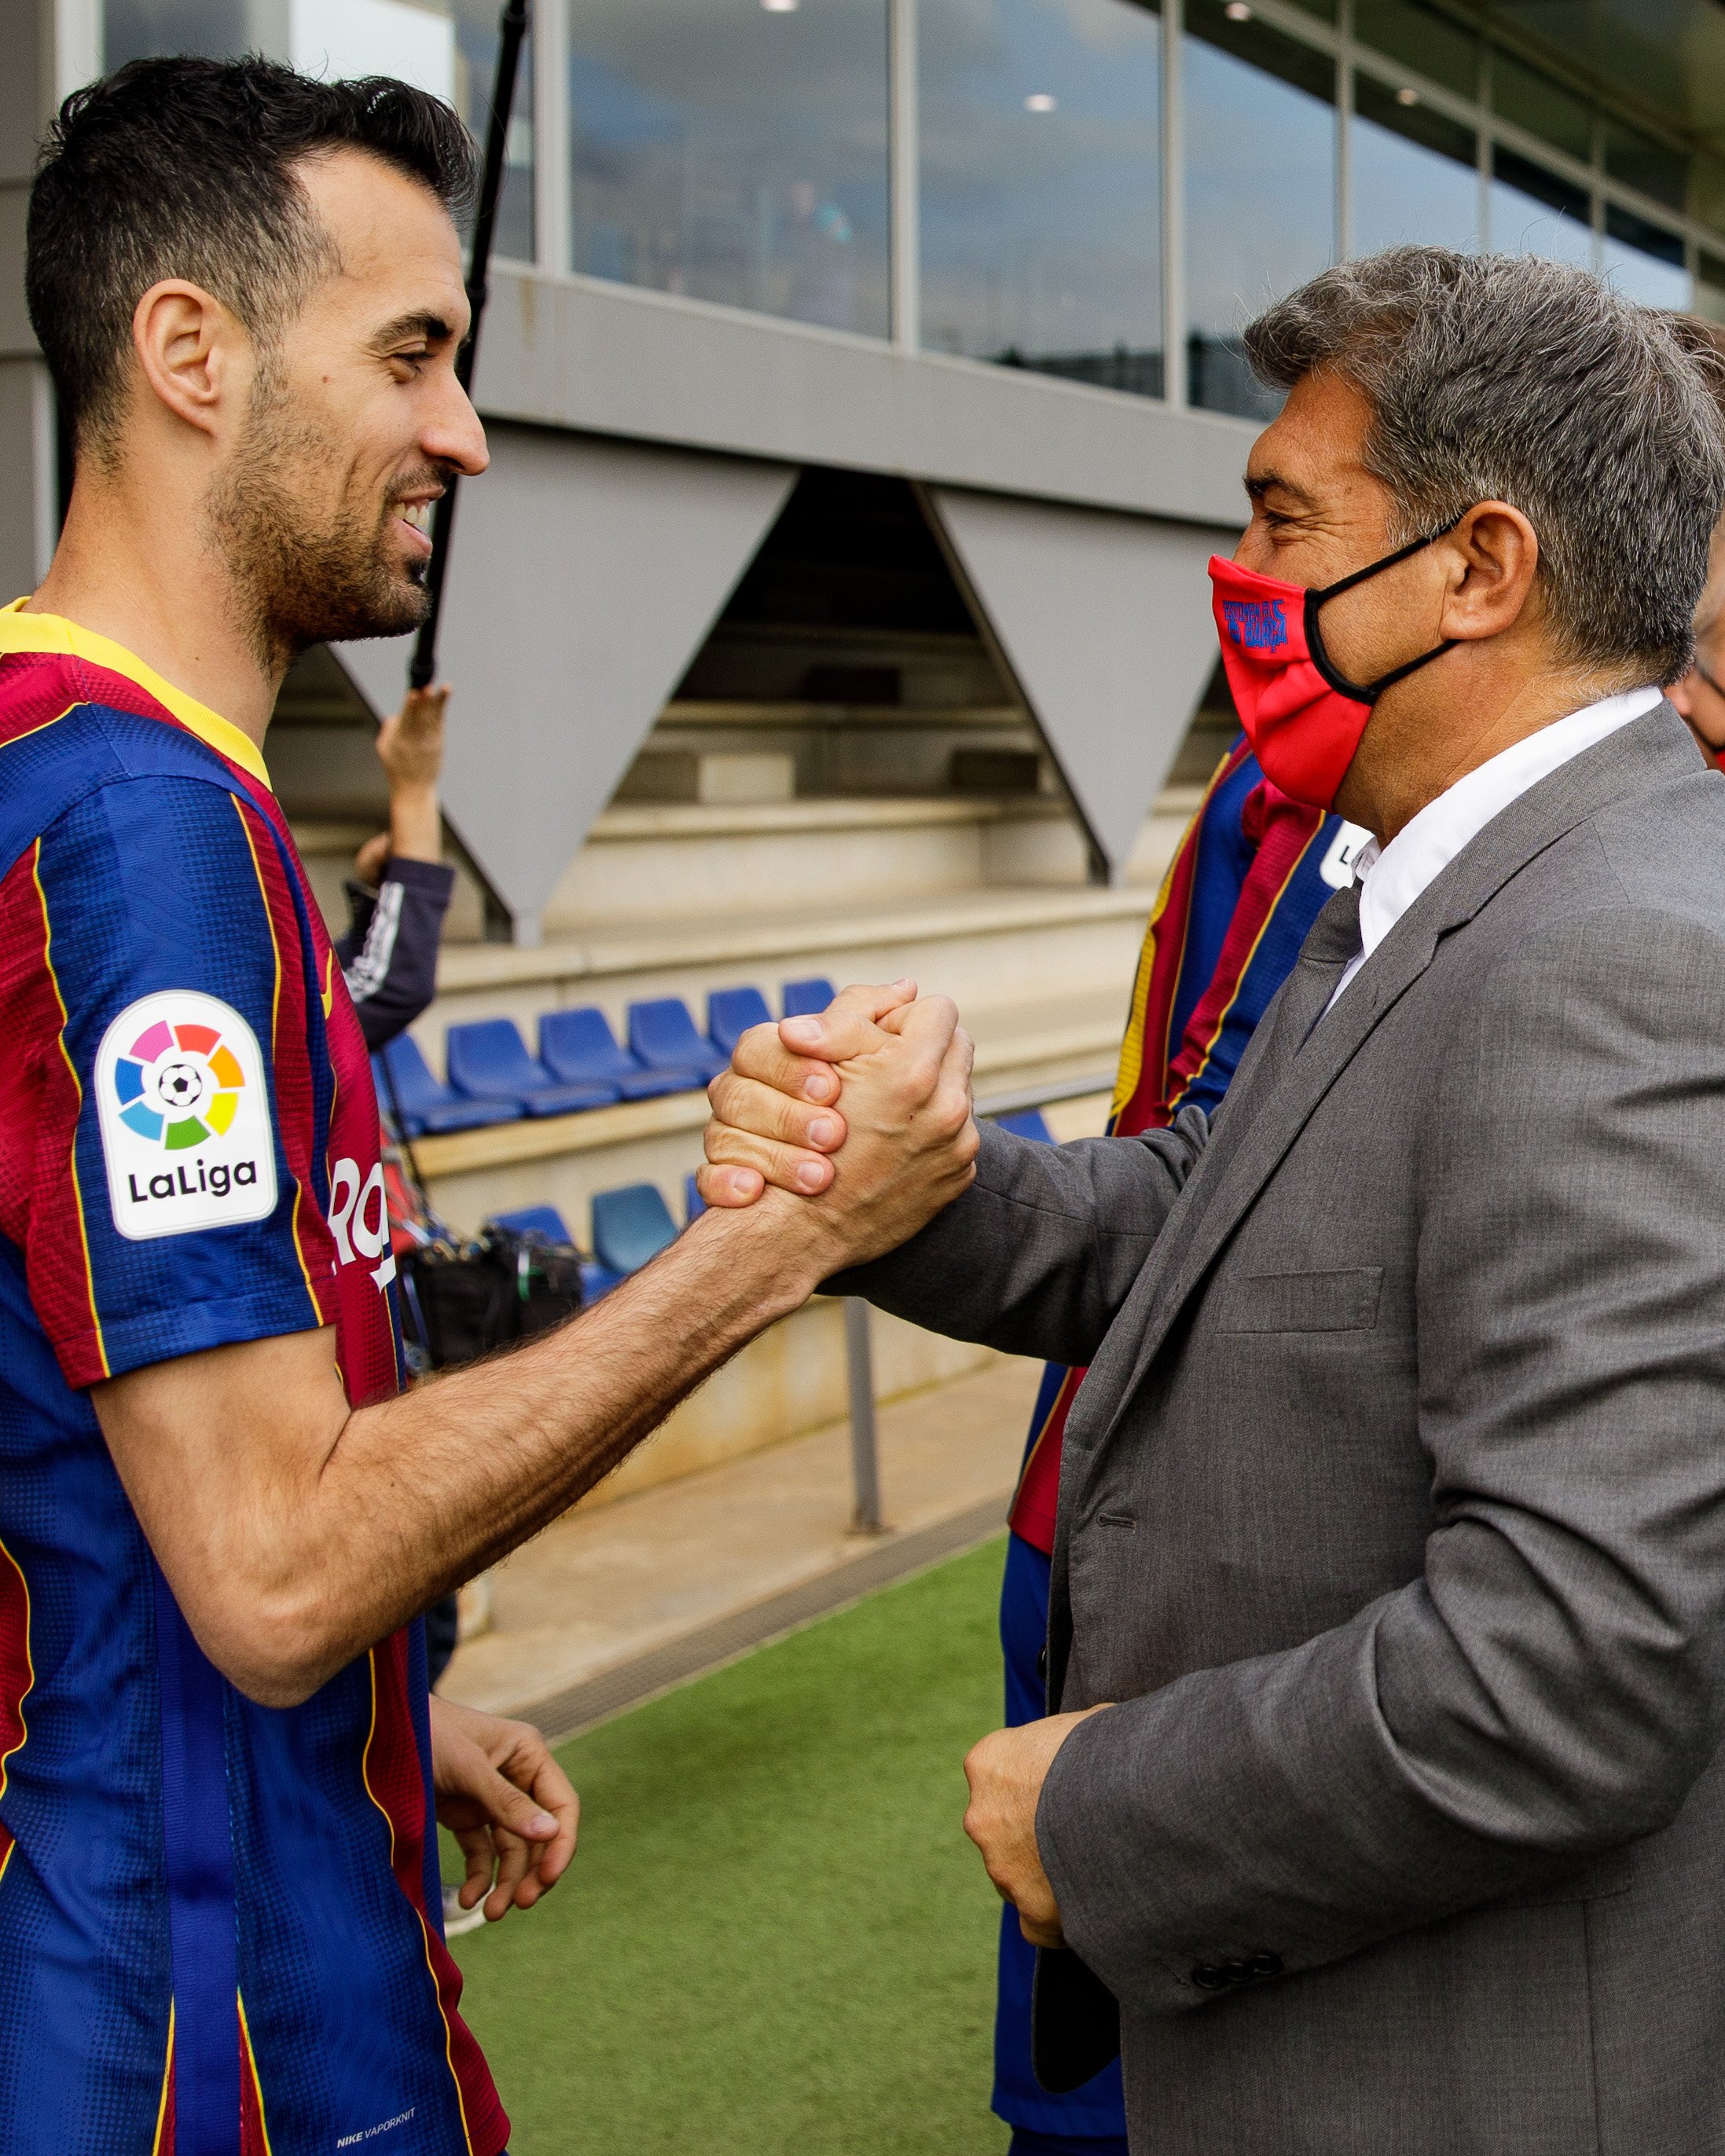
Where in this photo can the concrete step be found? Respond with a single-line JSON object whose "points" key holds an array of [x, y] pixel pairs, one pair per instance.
{"points": [[989, 949], [671, 862]]}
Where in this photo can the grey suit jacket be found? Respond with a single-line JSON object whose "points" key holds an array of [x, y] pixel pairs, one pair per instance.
{"points": [[1393, 1513]]}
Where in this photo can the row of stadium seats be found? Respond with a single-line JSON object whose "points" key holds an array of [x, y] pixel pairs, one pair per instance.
{"points": [[493, 1077], [634, 1224]]}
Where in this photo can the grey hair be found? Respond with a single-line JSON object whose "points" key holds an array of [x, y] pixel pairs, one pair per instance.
{"points": [[1507, 378]]}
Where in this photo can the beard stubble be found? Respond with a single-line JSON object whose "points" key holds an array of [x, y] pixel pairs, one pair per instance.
{"points": [[303, 573]]}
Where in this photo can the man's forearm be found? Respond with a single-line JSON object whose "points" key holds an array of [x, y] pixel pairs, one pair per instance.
{"points": [[317, 1530], [503, 1446], [416, 827]]}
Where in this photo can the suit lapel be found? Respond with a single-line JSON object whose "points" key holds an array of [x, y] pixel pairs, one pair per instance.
{"points": [[1309, 1051]]}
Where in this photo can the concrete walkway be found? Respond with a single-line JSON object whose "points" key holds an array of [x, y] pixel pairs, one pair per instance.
{"points": [[614, 1603]]}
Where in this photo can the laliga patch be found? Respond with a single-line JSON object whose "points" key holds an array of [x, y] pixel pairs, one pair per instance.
{"points": [[184, 1114]]}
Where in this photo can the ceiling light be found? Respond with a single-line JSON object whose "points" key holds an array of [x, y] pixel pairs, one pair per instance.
{"points": [[781, 6], [1407, 97], [1039, 101], [1237, 10]]}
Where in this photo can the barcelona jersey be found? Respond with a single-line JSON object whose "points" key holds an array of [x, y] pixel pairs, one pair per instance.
{"points": [[220, 1923]]}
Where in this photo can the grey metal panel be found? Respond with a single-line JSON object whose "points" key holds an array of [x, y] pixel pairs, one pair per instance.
{"points": [[1105, 622], [585, 576], [26, 81], [576, 351], [28, 524]]}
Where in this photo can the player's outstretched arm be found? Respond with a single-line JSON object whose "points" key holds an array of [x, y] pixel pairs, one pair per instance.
{"points": [[296, 1531]]}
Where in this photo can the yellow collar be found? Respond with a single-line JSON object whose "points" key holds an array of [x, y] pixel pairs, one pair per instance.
{"points": [[52, 632]]}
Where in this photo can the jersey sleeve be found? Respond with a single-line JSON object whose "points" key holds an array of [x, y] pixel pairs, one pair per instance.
{"points": [[157, 1154]]}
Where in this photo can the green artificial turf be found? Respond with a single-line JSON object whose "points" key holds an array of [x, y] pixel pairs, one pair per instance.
{"points": [[775, 1939]]}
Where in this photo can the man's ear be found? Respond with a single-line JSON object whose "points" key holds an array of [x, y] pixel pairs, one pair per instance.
{"points": [[193, 353], [1494, 555]]}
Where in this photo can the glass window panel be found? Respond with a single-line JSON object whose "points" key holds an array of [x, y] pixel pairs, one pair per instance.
{"points": [[1260, 189], [1651, 168], [1533, 212], [476, 42], [1415, 172], [1041, 186], [449, 46], [1422, 39], [1666, 52], [1544, 107], [1644, 260], [1709, 300], [734, 152], [215, 29]]}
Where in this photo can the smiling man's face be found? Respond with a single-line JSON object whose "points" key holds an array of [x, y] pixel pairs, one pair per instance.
{"points": [[358, 422]]}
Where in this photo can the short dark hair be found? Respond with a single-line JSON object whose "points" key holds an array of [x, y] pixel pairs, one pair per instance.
{"points": [[183, 167], [1507, 378]]}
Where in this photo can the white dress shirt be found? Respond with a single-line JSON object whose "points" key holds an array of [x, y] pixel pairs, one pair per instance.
{"points": [[1392, 877]]}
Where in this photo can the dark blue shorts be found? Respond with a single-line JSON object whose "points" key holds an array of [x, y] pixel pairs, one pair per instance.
{"points": [[1089, 2120]]}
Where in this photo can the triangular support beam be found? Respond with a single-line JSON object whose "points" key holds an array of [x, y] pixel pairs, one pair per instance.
{"points": [[1103, 623], [586, 575]]}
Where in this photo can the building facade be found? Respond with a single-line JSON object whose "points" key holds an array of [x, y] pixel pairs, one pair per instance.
{"points": [[996, 251]]}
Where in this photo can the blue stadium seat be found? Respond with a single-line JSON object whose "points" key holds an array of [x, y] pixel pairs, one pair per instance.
{"points": [[429, 1107], [1028, 1123], [730, 1014], [694, 1205], [663, 1035], [536, 1220], [596, 1280], [808, 999], [489, 1059], [630, 1226], [578, 1048]]}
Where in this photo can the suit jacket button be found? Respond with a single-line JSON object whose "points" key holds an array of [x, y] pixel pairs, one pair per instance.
{"points": [[1208, 1978], [1267, 1965], [1237, 1972]]}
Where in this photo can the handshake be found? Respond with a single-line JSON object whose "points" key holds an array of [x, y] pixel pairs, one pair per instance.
{"points": [[868, 1172]]}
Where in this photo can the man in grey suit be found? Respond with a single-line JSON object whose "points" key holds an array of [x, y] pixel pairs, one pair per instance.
{"points": [[1392, 1515]]}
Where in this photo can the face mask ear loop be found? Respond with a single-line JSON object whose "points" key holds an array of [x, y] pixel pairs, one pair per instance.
{"points": [[1370, 691]]}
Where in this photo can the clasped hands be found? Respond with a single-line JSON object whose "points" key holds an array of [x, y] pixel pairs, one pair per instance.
{"points": [[873, 1170]]}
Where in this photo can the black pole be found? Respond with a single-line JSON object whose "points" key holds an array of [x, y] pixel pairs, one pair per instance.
{"points": [[511, 29]]}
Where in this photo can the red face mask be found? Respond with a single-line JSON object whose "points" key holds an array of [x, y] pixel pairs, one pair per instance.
{"points": [[1303, 719]]}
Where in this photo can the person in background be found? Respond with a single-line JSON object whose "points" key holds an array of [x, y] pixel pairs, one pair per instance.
{"points": [[1249, 878], [401, 885]]}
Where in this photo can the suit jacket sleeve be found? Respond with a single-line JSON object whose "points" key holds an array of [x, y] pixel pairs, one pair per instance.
{"points": [[1552, 1686], [1041, 1251]]}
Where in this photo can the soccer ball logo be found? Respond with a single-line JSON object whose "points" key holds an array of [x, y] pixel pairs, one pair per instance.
{"points": [[178, 1085], [181, 1085]]}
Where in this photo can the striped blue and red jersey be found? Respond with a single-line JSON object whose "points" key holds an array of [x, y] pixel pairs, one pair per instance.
{"points": [[220, 1923], [1248, 880]]}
